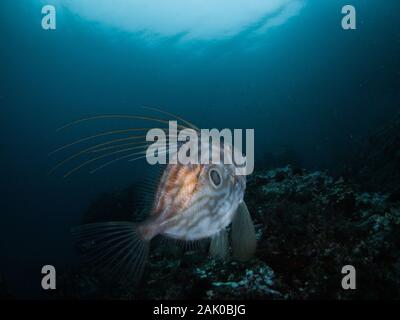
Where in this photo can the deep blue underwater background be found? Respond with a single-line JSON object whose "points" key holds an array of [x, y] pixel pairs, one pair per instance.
{"points": [[307, 85]]}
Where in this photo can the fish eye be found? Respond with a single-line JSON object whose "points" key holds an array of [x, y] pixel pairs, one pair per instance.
{"points": [[215, 178]]}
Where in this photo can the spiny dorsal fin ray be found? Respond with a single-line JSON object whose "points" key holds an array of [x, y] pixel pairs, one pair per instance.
{"points": [[112, 144]]}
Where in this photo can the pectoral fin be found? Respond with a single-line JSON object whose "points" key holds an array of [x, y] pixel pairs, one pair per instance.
{"points": [[219, 245], [243, 235]]}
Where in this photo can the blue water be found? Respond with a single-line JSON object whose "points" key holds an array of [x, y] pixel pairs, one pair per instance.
{"points": [[306, 84]]}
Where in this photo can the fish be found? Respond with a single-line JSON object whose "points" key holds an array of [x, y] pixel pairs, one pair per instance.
{"points": [[191, 202]]}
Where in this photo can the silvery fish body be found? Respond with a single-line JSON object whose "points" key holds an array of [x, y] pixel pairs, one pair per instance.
{"points": [[191, 202], [192, 206], [196, 201]]}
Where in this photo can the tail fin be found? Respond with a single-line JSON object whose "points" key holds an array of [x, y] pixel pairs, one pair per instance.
{"points": [[116, 250], [244, 240], [219, 245]]}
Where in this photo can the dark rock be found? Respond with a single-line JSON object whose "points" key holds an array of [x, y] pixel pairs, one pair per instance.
{"points": [[346, 203], [297, 171], [280, 176], [394, 197]]}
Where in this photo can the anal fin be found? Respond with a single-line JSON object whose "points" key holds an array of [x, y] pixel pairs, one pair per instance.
{"points": [[243, 235], [219, 245]]}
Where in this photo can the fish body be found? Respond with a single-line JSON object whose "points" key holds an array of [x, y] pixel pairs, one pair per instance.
{"points": [[196, 201], [191, 202], [189, 206]]}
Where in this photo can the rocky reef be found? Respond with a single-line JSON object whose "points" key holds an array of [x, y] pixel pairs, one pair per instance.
{"points": [[309, 225], [312, 225]]}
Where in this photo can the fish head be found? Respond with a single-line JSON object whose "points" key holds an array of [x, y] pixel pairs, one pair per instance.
{"points": [[218, 187], [198, 200], [222, 186]]}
